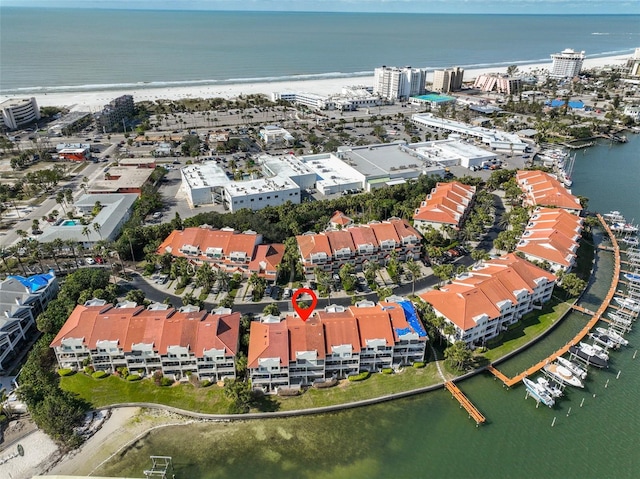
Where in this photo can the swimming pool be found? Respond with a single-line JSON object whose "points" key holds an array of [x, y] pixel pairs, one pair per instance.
{"points": [[70, 223]]}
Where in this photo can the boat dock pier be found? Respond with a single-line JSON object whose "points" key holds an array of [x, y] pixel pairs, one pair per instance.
{"points": [[465, 403], [582, 310], [595, 317]]}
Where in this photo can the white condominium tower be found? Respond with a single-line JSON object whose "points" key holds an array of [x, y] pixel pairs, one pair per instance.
{"points": [[566, 64], [395, 83], [449, 80]]}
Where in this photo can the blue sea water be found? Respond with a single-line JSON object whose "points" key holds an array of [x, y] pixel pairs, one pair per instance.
{"points": [[88, 49]]}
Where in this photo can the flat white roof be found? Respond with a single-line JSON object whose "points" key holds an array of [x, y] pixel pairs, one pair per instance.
{"points": [[286, 165], [331, 170], [262, 185]]}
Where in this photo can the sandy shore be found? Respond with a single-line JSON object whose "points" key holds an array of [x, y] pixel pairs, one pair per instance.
{"points": [[95, 100]]}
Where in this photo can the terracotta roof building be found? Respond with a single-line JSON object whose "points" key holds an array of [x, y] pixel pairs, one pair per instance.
{"points": [[175, 342], [339, 220], [334, 343], [225, 249], [542, 189], [488, 299], [552, 235], [448, 204], [358, 244]]}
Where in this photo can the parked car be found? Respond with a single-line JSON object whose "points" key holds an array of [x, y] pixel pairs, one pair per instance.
{"points": [[99, 260], [89, 261]]}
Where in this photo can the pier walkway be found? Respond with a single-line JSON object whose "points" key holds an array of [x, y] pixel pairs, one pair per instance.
{"points": [[597, 316], [465, 403]]}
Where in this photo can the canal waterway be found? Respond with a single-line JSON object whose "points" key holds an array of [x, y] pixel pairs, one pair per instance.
{"points": [[595, 433]]}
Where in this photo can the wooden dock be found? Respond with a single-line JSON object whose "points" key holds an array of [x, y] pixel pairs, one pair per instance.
{"points": [[465, 403], [582, 310], [596, 316]]}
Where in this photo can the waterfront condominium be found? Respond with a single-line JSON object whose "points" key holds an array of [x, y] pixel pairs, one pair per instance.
{"points": [[448, 204], [114, 116], [19, 112], [393, 83], [448, 80], [566, 64]]}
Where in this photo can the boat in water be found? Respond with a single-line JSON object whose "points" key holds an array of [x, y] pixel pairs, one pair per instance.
{"points": [[564, 375], [551, 387], [631, 241], [604, 340], [619, 320], [628, 303], [633, 277], [614, 217], [591, 355], [538, 392], [623, 228], [576, 370], [617, 337]]}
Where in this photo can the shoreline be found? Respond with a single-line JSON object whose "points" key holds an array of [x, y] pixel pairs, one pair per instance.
{"points": [[94, 100]]}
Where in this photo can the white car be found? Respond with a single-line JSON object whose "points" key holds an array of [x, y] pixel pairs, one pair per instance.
{"points": [[90, 261]]}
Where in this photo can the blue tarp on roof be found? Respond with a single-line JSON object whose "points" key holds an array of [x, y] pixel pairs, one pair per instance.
{"points": [[412, 318], [35, 282]]}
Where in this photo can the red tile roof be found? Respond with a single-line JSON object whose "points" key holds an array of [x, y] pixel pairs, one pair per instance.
{"points": [[373, 323], [268, 340], [385, 232], [339, 218], [446, 203], [199, 331], [313, 243], [267, 258], [340, 328], [228, 241], [339, 240], [481, 290], [363, 235], [305, 336], [543, 189]]}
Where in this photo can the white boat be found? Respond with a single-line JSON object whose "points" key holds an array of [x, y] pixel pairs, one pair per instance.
{"points": [[551, 387], [623, 228], [613, 335], [563, 375], [590, 354], [573, 367], [604, 340], [628, 303], [631, 241], [617, 319], [539, 393], [634, 277], [614, 216]]}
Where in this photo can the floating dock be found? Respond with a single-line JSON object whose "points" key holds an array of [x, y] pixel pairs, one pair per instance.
{"points": [[465, 403], [595, 317]]}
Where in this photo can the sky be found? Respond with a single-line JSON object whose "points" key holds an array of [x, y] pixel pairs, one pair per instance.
{"points": [[399, 6]]}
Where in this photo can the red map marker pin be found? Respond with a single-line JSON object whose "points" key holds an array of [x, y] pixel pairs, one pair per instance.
{"points": [[304, 313]]}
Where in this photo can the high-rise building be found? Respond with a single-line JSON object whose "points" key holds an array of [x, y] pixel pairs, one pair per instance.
{"points": [[634, 64], [113, 115], [19, 112], [499, 83], [566, 64], [448, 80], [395, 83]]}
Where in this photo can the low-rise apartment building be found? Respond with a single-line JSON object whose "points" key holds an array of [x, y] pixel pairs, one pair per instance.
{"points": [[158, 338], [21, 301], [334, 343], [552, 236], [448, 204], [357, 244], [542, 189], [486, 300]]}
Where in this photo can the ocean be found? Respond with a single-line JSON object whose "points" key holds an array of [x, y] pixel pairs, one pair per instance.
{"points": [[92, 49]]}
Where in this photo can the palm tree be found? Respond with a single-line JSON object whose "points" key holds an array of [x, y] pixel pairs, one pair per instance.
{"points": [[15, 252], [414, 270], [87, 232], [97, 228]]}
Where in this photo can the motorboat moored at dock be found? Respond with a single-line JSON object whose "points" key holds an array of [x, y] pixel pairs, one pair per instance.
{"points": [[627, 303], [562, 374], [538, 392], [573, 367], [590, 355], [613, 335], [633, 277]]}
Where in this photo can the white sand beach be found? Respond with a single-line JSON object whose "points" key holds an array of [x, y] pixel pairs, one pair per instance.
{"points": [[95, 100]]}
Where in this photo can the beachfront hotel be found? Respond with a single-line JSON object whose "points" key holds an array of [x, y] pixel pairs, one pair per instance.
{"points": [[447, 81], [552, 236], [351, 98], [334, 343], [448, 204], [158, 338], [542, 189], [19, 112], [393, 83], [225, 249], [21, 301], [493, 295], [566, 64], [357, 244]]}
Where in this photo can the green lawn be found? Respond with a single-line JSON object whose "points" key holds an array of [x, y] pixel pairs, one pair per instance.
{"points": [[112, 390], [531, 326]]}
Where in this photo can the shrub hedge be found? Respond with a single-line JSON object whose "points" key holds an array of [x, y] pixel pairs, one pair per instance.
{"points": [[418, 364], [99, 375], [133, 377], [360, 377], [65, 372]]}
